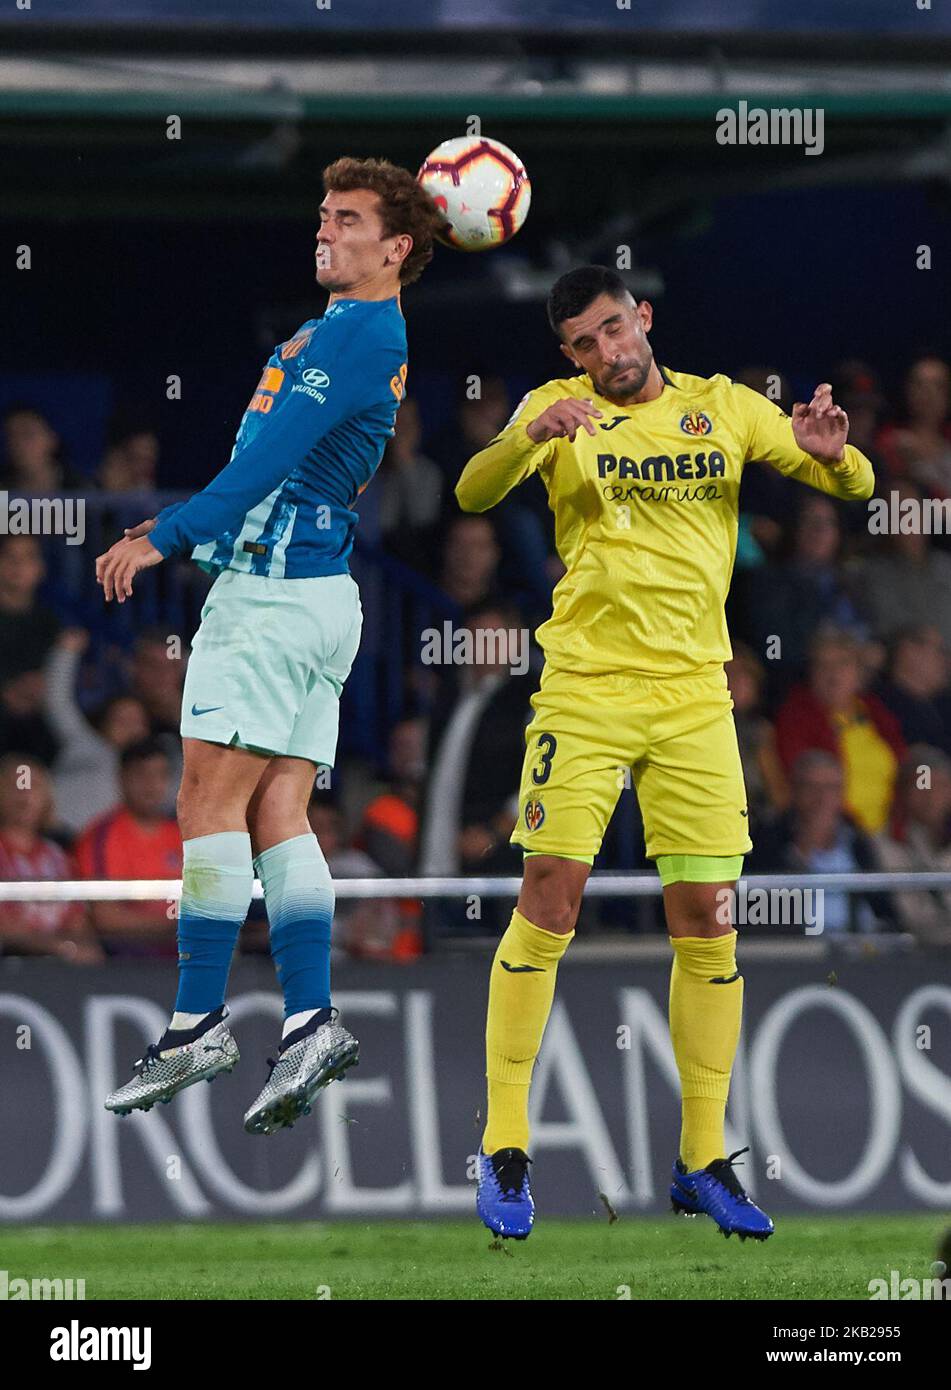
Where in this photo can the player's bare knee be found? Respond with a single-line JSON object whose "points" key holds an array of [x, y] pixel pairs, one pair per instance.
{"points": [[269, 827], [697, 909], [551, 893], [192, 809], [560, 918], [277, 811], [204, 809], [699, 926]]}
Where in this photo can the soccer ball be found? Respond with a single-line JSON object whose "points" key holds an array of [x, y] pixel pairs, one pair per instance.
{"points": [[481, 188]]}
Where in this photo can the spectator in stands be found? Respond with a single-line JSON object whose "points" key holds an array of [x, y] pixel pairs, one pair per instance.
{"points": [[816, 835], [856, 388], [36, 928], [789, 601], [482, 409], [831, 713], [767, 790], [904, 575], [920, 447], [919, 840], [86, 768], [471, 802], [523, 523], [128, 466], [410, 490], [764, 499], [28, 628], [137, 839], [367, 927], [470, 561], [130, 463], [33, 463], [159, 659], [769, 382], [389, 827], [23, 722], [916, 681]]}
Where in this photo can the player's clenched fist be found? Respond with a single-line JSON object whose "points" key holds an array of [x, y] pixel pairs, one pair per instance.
{"points": [[561, 419]]}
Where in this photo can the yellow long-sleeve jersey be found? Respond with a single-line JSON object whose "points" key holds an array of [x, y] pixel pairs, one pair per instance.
{"points": [[646, 513]]}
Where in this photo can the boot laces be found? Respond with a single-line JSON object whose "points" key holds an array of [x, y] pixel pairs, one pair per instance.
{"points": [[722, 1170], [510, 1167], [148, 1059]]}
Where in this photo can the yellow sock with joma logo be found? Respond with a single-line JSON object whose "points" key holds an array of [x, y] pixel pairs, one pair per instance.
{"points": [[706, 1007], [521, 990]]}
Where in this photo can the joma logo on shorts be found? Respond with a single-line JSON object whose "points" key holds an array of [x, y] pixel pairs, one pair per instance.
{"points": [[663, 468]]}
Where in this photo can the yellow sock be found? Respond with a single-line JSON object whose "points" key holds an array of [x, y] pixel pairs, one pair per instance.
{"points": [[704, 1029], [519, 1004]]}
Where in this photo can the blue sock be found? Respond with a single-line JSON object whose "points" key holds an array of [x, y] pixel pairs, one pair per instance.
{"points": [[217, 880], [299, 894]]}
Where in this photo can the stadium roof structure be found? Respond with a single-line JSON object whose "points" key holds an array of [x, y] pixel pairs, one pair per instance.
{"points": [[510, 86], [261, 116]]}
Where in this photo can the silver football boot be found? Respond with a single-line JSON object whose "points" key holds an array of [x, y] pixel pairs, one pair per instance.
{"points": [[301, 1070], [161, 1074]]}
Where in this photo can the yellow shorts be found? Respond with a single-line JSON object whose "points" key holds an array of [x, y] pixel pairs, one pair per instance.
{"points": [[673, 736]]}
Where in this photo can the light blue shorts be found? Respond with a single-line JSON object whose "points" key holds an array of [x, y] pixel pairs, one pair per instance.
{"points": [[269, 661]]}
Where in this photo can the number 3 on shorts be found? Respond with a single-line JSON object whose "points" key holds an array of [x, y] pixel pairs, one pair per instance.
{"points": [[547, 744]]}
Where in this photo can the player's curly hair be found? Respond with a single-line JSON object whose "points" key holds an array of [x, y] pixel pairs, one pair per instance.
{"points": [[405, 206]]}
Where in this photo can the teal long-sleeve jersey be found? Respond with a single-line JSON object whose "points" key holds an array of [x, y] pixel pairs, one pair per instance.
{"points": [[308, 444]]}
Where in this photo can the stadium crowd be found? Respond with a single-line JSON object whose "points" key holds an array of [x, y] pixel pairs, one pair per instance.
{"points": [[840, 678]]}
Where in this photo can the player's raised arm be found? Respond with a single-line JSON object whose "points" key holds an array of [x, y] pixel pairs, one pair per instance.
{"points": [[279, 447], [252, 474], [522, 447], [811, 446]]}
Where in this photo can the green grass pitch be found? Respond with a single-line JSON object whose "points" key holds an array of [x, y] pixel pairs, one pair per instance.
{"points": [[830, 1257]]}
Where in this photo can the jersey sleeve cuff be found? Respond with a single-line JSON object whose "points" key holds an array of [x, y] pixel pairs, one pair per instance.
{"points": [[163, 541]]}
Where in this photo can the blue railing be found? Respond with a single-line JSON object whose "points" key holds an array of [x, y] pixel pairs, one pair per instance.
{"points": [[398, 605]]}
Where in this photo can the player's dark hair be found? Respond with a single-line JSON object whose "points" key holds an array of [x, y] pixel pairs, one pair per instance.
{"points": [[574, 291], [405, 206]]}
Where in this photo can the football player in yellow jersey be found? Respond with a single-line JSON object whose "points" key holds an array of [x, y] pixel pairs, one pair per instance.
{"points": [[642, 466]]}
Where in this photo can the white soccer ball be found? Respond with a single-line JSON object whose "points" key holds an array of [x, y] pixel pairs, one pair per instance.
{"points": [[481, 188]]}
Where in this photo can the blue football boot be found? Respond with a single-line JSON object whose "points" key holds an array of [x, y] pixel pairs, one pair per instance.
{"points": [[504, 1197], [717, 1191]]}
